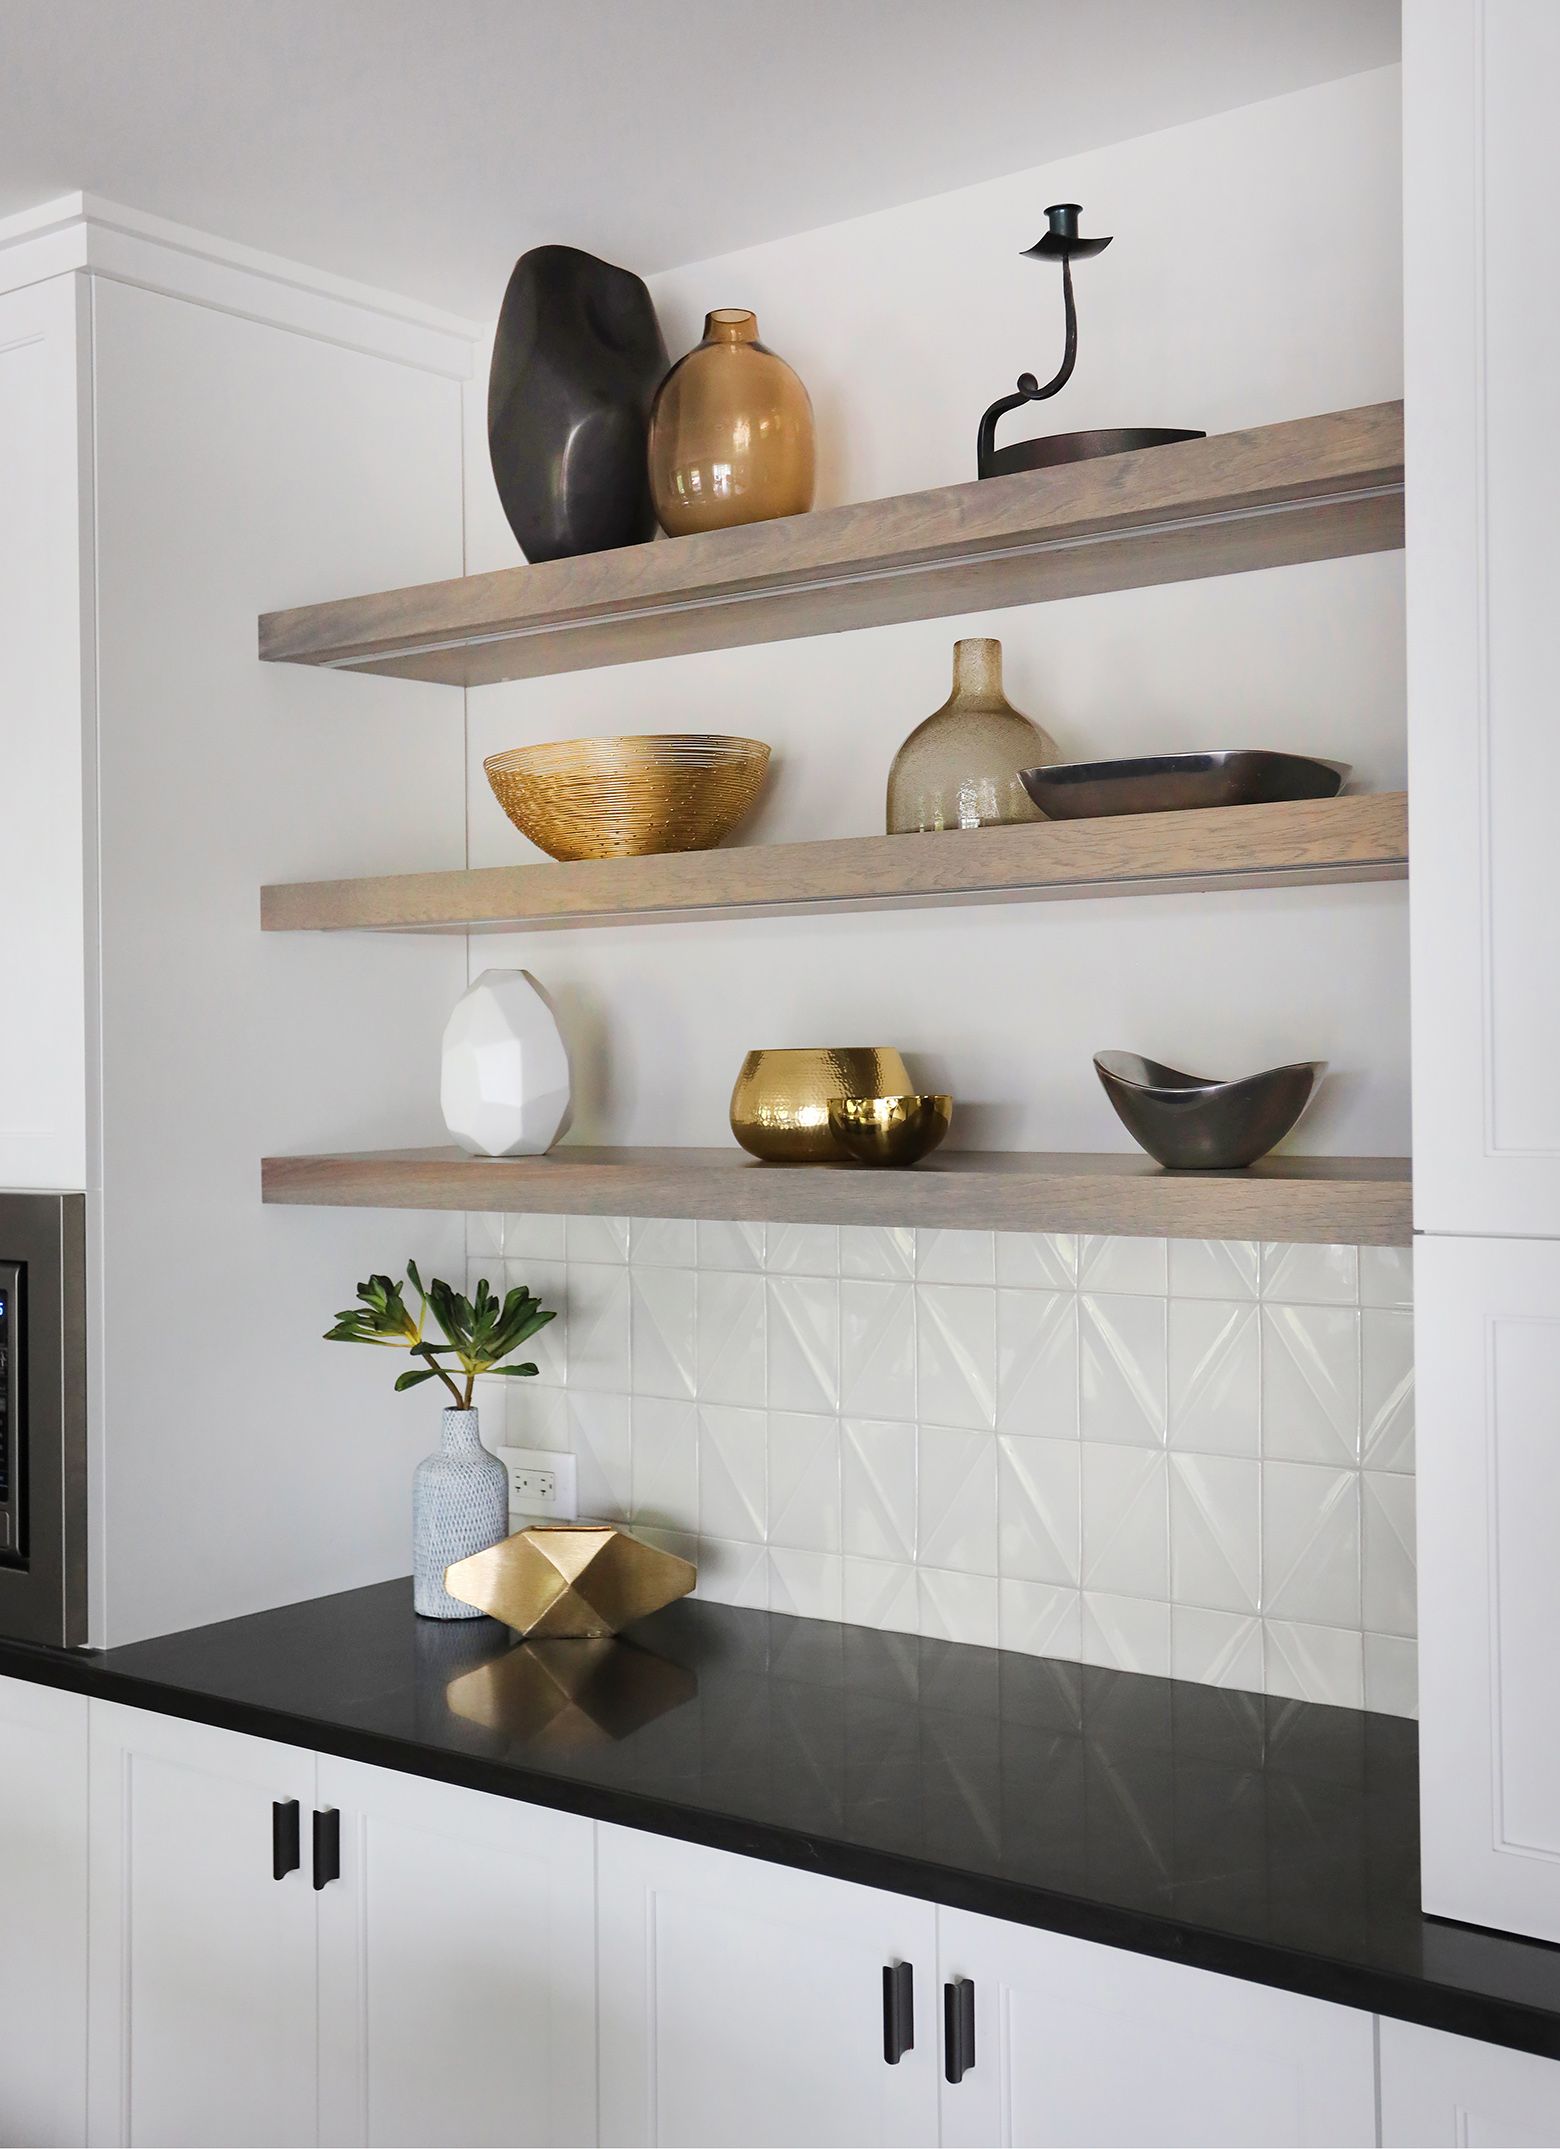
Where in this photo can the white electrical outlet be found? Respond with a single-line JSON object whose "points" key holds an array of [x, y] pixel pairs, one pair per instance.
{"points": [[541, 1483]]}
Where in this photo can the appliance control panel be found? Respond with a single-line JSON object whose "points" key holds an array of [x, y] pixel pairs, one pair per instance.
{"points": [[12, 1537]]}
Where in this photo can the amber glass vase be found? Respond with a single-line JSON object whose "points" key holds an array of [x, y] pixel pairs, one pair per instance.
{"points": [[960, 768], [731, 433]]}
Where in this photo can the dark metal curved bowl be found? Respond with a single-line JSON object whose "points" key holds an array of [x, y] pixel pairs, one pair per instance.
{"points": [[1190, 1122], [1057, 448], [1179, 783]]}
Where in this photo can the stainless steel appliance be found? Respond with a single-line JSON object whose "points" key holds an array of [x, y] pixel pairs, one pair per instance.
{"points": [[43, 1418]]}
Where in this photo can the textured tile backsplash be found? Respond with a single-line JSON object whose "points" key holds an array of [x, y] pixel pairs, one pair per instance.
{"points": [[1187, 1457]]}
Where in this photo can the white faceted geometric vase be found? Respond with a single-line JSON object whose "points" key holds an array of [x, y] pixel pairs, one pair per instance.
{"points": [[504, 1087]]}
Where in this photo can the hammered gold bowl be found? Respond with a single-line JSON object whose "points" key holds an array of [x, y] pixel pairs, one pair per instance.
{"points": [[626, 798], [780, 1106], [890, 1130]]}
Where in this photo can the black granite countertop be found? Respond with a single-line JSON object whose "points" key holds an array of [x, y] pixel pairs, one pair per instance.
{"points": [[1272, 1840]]}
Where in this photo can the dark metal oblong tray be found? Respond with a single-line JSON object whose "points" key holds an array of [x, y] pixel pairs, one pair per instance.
{"points": [[1172, 783], [1055, 449]]}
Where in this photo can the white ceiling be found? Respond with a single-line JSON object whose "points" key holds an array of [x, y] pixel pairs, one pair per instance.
{"points": [[420, 145]]}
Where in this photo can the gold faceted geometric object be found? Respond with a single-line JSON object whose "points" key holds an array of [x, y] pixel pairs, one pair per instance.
{"points": [[626, 798], [570, 1694], [581, 1580], [890, 1130], [780, 1106]]}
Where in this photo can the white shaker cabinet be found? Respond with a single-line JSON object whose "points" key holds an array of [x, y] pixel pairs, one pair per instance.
{"points": [[1443, 2092], [742, 2003], [43, 1915], [1077, 2043], [457, 1967]]}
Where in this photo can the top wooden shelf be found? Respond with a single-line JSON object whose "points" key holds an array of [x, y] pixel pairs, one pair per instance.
{"points": [[1314, 489]]}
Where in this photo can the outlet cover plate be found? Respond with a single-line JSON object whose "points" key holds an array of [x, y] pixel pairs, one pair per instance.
{"points": [[541, 1484]]}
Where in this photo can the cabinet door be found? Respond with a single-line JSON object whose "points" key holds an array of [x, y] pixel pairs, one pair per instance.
{"points": [[203, 1977], [1076, 2043], [457, 1967], [43, 1914], [1438, 2089], [742, 2003]]}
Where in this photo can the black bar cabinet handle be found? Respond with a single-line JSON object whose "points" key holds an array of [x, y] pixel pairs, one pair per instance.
{"points": [[898, 2011], [958, 2027], [327, 1846], [286, 1850]]}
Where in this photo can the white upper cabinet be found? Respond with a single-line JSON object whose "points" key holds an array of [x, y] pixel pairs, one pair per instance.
{"points": [[1481, 83]]}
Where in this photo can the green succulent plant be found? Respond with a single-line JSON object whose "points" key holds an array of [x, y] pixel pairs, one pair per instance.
{"points": [[478, 1333]]}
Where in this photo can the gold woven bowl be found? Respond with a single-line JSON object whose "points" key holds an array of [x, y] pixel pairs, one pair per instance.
{"points": [[625, 798], [890, 1130], [780, 1106]]}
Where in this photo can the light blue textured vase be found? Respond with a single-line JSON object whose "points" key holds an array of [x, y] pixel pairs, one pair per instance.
{"points": [[460, 1505]]}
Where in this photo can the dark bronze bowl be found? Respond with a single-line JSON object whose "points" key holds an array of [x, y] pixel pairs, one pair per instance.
{"points": [[1195, 1123], [1058, 448], [1178, 783]]}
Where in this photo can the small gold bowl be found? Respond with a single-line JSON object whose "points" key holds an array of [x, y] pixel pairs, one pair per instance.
{"points": [[780, 1106], [890, 1130], [627, 798]]}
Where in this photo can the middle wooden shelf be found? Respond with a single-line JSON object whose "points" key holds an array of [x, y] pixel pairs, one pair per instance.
{"points": [[1303, 842]]}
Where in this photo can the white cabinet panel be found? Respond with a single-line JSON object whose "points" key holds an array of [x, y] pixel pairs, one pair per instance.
{"points": [[1076, 2043], [1488, 1467], [203, 1964], [1438, 2090], [43, 1922], [742, 2003], [457, 1967]]}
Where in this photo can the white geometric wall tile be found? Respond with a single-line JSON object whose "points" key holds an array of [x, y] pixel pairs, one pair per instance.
{"points": [[882, 1593], [877, 1349], [1215, 1377], [808, 1585], [682, 1544], [596, 1238], [1126, 1521], [956, 1354], [665, 1242], [884, 1252], [1215, 1648], [534, 1238], [1122, 1370], [958, 1607], [1037, 1510], [1388, 1600], [1037, 1260], [1039, 1620], [733, 1573], [1213, 1268], [1126, 1633], [598, 1327], [601, 1435], [1391, 1675], [1387, 1390], [804, 1343], [733, 1476], [730, 1246], [956, 1523], [955, 1257], [547, 1350], [1216, 1532], [1386, 1276], [802, 1250], [524, 1414], [662, 1328], [1311, 1275], [484, 1235], [1122, 1264], [1311, 1383], [1310, 1663], [1311, 1544], [878, 1462], [1037, 1363], [804, 1483], [666, 1464], [730, 1338]]}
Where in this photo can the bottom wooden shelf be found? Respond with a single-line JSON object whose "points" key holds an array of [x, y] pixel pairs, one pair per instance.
{"points": [[1338, 1200]]}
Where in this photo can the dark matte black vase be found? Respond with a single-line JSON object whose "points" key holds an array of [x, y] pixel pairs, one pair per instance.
{"points": [[577, 359]]}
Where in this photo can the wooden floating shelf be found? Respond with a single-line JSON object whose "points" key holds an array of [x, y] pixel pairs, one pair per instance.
{"points": [[1302, 843], [1364, 1201], [1314, 489]]}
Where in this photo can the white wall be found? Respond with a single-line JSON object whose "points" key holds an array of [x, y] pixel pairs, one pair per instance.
{"points": [[1255, 277]]}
